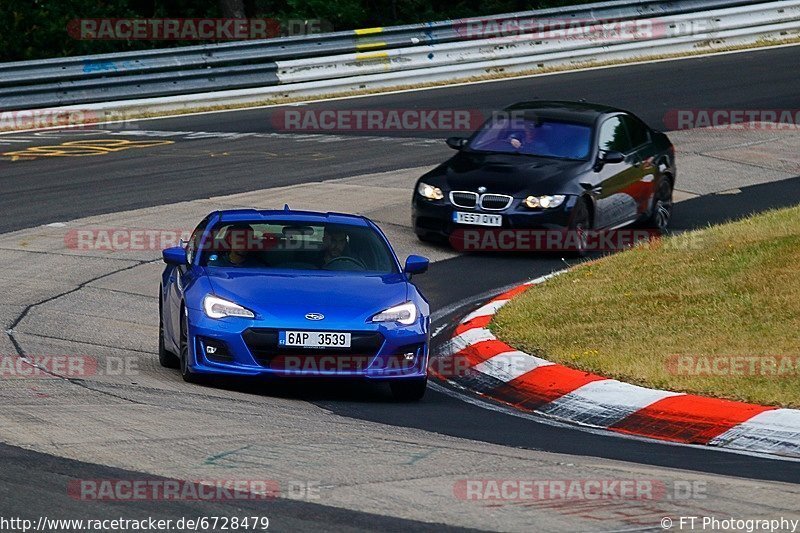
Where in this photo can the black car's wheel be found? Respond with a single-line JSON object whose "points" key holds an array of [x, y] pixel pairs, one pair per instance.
{"points": [[409, 390], [186, 372], [166, 358], [581, 224], [430, 238], [661, 214]]}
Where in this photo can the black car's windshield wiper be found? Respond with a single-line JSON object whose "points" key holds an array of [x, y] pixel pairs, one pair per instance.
{"points": [[474, 151]]}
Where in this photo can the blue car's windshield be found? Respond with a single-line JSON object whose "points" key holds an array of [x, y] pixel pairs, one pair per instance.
{"points": [[297, 246], [545, 138]]}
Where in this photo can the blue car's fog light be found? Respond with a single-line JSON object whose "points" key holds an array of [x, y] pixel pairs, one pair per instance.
{"points": [[214, 350]]}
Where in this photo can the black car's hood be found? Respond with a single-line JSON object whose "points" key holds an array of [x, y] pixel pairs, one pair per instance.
{"points": [[512, 174]]}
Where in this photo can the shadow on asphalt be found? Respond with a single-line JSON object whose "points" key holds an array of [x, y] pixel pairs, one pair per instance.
{"points": [[310, 389], [718, 208]]}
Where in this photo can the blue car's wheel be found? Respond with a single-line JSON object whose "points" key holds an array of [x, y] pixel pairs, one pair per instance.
{"points": [[166, 358], [409, 390], [186, 372]]}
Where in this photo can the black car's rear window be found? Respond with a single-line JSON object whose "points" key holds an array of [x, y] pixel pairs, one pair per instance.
{"points": [[297, 246], [541, 137]]}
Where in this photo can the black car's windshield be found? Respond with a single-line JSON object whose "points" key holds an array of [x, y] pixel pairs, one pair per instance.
{"points": [[542, 137], [297, 246]]}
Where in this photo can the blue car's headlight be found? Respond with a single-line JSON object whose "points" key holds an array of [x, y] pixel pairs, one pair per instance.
{"points": [[405, 314], [219, 308]]}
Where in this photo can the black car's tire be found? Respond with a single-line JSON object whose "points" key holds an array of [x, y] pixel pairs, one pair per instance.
{"points": [[166, 358], [580, 222], [186, 373], [409, 390], [661, 211], [430, 238]]}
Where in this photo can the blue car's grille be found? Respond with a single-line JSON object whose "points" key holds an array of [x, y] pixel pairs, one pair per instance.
{"points": [[263, 344]]}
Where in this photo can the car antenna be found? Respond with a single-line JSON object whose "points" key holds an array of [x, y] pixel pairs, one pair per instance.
{"points": [[286, 207]]}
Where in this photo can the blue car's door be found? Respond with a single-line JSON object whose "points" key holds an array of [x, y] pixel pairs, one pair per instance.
{"points": [[180, 277], [172, 303]]}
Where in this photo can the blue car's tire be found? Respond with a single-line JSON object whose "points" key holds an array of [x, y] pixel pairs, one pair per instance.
{"points": [[186, 372], [409, 390], [166, 358]]}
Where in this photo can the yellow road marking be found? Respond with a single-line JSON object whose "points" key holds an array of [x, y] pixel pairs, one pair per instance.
{"points": [[82, 148]]}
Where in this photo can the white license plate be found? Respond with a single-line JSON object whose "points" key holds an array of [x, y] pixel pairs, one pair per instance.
{"points": [[477, 219], [314, 339]]}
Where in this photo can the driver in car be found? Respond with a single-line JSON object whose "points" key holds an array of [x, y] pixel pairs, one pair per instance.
{"points": [[526, 139], [240, 241], [334, 244]]}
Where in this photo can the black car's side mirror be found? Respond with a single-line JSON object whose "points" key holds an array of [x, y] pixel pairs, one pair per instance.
{"points": [[456, 143], [612, 156], [608, 156]]}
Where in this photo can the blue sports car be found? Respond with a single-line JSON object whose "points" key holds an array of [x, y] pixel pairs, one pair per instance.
{"points": [[293, 293]]}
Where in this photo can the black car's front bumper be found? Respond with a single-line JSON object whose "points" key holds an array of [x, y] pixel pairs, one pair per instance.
{"points": [[434, 218]]}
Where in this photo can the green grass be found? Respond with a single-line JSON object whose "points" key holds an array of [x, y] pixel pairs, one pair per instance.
{"points": [[727, 290]]}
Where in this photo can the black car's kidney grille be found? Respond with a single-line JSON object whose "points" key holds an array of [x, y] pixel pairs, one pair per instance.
{"points": [[263, 344], [464, 199], [495, 202]]}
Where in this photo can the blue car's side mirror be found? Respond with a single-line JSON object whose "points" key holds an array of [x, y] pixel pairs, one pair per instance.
{"points": [[416, 264], [175, 256]]}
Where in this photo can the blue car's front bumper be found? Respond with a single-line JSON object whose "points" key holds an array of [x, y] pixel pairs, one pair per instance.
{"points": [[242, 347]]}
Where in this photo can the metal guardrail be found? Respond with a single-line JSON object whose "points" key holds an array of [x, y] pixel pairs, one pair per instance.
{"points": [[434, 50], [525, 51]]}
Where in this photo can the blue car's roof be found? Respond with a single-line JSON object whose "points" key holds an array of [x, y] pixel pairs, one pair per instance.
{"points": [[253, 215]]}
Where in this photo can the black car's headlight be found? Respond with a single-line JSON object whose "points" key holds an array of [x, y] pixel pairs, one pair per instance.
{"points": [[429, 191], [545, 202]]}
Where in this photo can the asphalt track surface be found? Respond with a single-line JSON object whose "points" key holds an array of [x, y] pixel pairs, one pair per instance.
{"points": [[56, 189]]}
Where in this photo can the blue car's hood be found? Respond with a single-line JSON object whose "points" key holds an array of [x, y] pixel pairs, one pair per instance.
{"points": [[287, 297]]}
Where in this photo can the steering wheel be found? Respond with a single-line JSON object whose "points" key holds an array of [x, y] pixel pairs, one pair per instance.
{"points": [[352, 260]]}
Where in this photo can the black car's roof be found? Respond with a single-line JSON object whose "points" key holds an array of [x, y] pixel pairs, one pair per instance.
{"points": [[583, 112]]}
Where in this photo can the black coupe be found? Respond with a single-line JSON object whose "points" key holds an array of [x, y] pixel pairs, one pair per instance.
{"points": [[550, 165]]}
